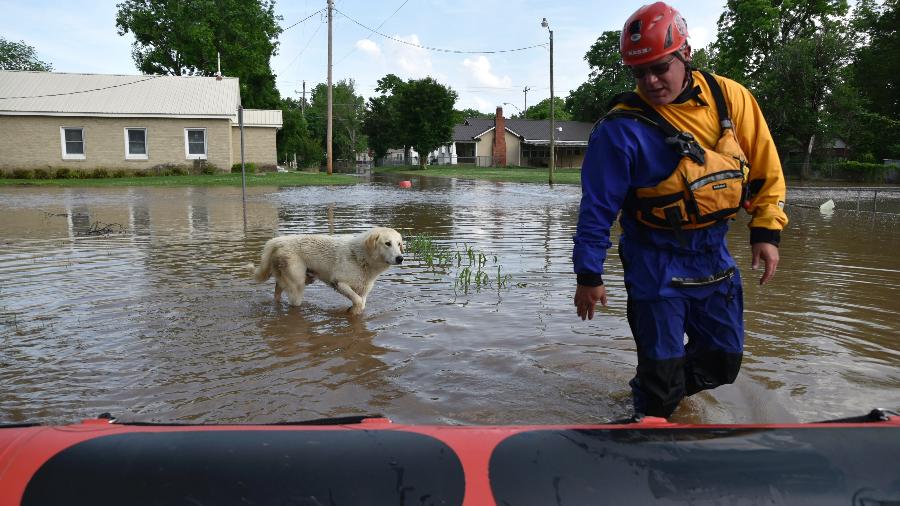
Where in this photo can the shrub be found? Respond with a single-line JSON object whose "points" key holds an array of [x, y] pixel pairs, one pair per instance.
{"points": [[99, 173], [23, 174], [64, 173], [249, 168], [178, 171], [119, 173], [141, 173], [268, 167], [209, 168], [42, 174], [862, 171]]}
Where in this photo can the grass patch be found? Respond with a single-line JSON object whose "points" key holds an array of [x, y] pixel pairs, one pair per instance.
{"points": [[262, 179], [511, 174]]}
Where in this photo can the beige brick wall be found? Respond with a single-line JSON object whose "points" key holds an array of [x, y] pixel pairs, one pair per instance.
{"points": [[30, 142], [259, 145]]}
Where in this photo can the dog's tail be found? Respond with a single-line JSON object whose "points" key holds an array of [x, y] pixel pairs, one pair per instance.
{"points": [[264, 271]]}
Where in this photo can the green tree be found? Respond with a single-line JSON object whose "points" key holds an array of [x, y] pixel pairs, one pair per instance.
{"points": [[541, 110], [460, 116], [293, 139], [812, 65], [380, 120], [608, 77], [751, 31], [185, 37], [425, 115], [347, 115], [20, 56]]}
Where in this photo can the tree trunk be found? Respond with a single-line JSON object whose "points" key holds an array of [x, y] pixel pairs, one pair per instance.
{"points": [[804, 169]]}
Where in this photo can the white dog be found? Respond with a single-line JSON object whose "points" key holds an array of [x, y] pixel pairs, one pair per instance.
{"points": [[349, 263]]}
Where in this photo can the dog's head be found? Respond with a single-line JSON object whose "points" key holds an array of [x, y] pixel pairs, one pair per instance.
{"points": [[385, 244]]}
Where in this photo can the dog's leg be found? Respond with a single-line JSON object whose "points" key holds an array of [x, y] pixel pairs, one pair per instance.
{"points": [[277, 291], [359, 304], [293, 275]]}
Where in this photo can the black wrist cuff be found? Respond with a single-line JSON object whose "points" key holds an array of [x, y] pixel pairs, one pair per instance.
{"points": [[589, 279], [765, 235]]}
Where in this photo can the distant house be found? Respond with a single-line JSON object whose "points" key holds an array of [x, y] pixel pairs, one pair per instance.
{"points": [[525, 142], [85, 121]]}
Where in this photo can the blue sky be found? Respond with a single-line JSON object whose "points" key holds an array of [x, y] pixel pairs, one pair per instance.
{"points": [[82, 37]]}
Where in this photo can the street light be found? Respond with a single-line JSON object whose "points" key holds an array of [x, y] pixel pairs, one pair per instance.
{"points": [[514, 105], [546, 25]]}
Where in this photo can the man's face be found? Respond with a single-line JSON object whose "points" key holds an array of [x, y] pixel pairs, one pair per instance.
{"points": [[662, 80]]}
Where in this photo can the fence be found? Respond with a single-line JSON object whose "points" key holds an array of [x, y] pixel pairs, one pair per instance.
{"points": [[869, 199], [833, 171]]}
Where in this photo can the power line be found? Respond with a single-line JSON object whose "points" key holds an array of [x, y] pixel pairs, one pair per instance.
{"points": [[377, 28], [435, 48], [81, 91], [302, 20]]}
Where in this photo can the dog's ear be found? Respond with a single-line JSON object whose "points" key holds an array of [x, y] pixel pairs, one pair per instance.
{"points": [[372, 241]]}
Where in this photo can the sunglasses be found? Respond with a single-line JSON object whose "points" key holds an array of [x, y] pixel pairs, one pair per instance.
{"points": [[657, 69]]}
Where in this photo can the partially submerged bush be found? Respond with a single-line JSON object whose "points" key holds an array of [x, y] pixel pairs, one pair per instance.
{"points": [[23, 174]]}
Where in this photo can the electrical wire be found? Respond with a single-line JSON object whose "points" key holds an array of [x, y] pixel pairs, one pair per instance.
{"points": [[377, 28], [373, 30], [302, 20], [81, 91]]}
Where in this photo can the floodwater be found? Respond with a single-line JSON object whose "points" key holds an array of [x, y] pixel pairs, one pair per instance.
{"points": [[137, 302]]}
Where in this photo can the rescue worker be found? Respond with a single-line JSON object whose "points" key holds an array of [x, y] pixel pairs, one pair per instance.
{"points": [[679, 157]]}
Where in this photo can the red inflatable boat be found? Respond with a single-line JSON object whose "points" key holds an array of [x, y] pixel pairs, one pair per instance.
{"points": [[371, 461]]}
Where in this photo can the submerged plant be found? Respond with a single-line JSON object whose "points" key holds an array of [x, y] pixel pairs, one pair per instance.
{"points": [[471, 265]]}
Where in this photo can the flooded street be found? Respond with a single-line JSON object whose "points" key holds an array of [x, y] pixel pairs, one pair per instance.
{"points": [[137, 302]]}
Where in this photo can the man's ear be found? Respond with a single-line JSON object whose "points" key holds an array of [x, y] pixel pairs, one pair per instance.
{"points": [[686, 53]]}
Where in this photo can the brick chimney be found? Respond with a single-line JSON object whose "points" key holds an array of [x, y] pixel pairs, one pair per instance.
{"points": [[499, 139]]}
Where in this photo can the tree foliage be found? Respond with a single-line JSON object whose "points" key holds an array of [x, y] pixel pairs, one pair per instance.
{"points": [[460, 116], [608, 77], [347, 115], [294, 139], [417, 113], [541, 110], [425, 114], [185, 37], [20, 56]]}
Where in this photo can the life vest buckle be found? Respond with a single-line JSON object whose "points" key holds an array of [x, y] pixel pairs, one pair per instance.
{"points": [[686, 145]]}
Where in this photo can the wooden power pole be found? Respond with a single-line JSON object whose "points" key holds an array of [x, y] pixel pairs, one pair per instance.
{"points": [[328, 136]]}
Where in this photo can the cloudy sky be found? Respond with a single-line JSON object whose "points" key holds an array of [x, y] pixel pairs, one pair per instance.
{"points": [[470, 40]]}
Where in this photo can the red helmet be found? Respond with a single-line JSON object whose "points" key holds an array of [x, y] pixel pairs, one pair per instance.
{"points": [[652, 32]]}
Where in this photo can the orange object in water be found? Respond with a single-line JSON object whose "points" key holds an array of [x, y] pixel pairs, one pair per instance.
{"points": [[405, 184]]}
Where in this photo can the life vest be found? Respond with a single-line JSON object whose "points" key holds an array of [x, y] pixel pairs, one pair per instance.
{"points": [[706, 186]]}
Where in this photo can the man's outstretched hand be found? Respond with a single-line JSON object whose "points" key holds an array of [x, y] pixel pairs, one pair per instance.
{"points": [[586, 297], [766, 252]]}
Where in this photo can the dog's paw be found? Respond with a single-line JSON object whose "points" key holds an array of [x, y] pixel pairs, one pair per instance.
{"points": [[355, 310]]}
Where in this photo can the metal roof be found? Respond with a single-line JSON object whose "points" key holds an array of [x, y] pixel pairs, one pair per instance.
{"points": [[529, 130], [260, 118], [56, 93]]}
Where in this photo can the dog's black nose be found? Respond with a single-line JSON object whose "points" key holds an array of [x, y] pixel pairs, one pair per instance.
{"points": [[399, 259]]}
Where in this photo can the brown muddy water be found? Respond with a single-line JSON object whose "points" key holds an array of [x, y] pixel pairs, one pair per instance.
{"points": [[136, 302]]}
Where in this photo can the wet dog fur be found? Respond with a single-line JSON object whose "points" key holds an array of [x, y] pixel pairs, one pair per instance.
{"points": [[348, 263]]}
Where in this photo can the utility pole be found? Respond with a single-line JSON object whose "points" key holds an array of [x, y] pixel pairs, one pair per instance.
{"points": [[303, 103], [546, 25], [525, 110], [328, 136]]}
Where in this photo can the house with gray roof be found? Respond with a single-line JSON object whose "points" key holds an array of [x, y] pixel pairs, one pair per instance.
{"points": [[524, 142], [87, 121]]}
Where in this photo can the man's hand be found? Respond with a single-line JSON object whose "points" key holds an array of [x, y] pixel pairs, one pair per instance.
{"points": [[586, 297], [768, 253]]}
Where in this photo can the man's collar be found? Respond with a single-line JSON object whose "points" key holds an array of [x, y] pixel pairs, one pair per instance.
{"points": [[690, 91]]}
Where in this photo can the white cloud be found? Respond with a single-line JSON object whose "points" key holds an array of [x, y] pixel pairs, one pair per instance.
{"points": [[480, 70], [414, 61], [368, 47]]}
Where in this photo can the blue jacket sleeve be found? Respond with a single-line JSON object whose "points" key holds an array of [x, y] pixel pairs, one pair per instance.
{"points": [[605, 181]]}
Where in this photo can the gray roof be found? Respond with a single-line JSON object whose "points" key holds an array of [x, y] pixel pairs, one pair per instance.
{"points": [[56, 93], [535, 131]]}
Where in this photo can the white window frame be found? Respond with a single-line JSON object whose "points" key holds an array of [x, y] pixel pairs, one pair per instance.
{"points": [[187, 146], [146, 154], [62, 139]]}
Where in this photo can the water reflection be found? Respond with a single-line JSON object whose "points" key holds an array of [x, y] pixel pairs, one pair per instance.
{"points": [[158, 319]]}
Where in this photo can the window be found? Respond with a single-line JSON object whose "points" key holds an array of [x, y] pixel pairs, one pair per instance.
{"points": [[72, 140], [195, 143], [135, 143]]}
